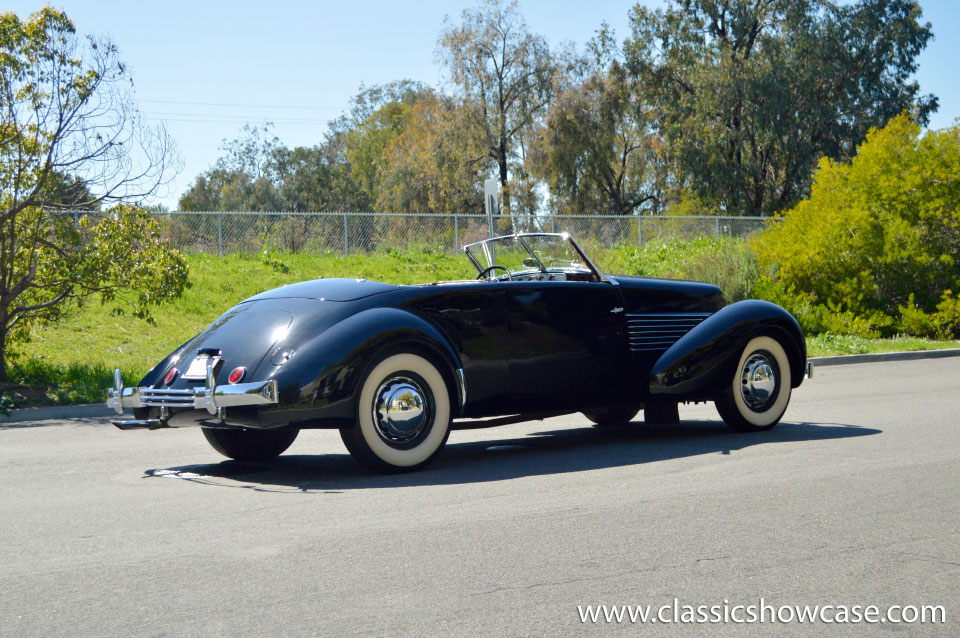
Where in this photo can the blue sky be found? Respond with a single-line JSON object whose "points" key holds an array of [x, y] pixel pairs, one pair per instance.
{"points": [[206, 67]]}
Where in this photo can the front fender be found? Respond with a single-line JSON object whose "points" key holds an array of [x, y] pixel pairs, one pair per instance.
{"points": [[324, 374], [701, 364]]}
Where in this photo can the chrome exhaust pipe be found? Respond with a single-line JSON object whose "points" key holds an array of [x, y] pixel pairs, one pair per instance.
{"points": [[141, 424]]}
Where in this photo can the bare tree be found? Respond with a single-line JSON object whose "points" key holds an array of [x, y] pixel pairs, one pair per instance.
{"points": [[508, 71]]}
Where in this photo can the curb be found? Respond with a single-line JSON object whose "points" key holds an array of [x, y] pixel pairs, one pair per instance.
{"points": [[99, 410], [56, 413], [885, 356]]}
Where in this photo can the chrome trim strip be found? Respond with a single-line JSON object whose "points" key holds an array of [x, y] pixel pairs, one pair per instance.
{"points": [[564, 236], [140, 424], [532, 254], [211, 397], [115, 393], [656, 332], [124, 398], [681, 315], [462, 388], [583, 256], [210, 388], [230, 396]]}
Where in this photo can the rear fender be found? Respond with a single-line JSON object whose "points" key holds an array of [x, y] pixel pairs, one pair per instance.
{"points": [[701, 364], [326, 372]]}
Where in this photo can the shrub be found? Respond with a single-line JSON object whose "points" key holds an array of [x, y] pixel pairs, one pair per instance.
{"points": [[728, 262], [878, 239], [7, 403]]}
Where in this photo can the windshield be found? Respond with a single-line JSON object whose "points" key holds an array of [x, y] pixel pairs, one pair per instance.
{"points": [[530, 253]]}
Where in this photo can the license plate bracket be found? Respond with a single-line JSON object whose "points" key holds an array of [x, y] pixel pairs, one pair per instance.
{"points": [[198, 367]]}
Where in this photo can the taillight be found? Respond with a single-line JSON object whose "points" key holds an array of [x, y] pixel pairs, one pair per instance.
{"points": [[167, 380], [236, 374]]}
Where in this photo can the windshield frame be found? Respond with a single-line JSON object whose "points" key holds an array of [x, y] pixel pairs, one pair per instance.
{"points": [[519, 237]]}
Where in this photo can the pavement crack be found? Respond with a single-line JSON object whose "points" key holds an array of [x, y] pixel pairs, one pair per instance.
{"points": [[699, 560], [934, 559], [573, 580]]}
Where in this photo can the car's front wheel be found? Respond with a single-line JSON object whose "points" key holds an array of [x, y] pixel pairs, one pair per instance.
{"points": [[250, 445], [403, 415], [759, 391]]}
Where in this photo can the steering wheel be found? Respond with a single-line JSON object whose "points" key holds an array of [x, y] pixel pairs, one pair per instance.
{"points": [[485, 271]]}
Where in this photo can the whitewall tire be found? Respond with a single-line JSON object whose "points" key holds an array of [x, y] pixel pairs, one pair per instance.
{"points": [[759, 391], [403, 415]]}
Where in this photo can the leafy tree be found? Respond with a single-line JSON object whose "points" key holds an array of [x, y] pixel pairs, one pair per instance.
{"points": [[356, 141], [371, 98], [71, 135], [506, 71], [258, 173], [388, 109], [205, 193], [305, 179], [879, 237], [436, 165], [366, 144], [338, 189], [242, 178], [751, 93], [598, 150]]}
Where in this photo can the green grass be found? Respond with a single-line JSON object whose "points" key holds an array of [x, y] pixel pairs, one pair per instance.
{"points": [[74, 360], [77, 356], [825, 345]]}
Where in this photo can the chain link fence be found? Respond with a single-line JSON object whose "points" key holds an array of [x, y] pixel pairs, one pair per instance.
{"points": [[245, 232]]}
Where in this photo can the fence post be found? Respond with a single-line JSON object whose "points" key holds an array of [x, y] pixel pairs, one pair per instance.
{"points": [[639, 230], [456, 231], [220, 234], [718, 226], [346, 239]]}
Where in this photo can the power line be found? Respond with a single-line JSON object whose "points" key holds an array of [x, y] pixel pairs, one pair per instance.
{"points": [[235, 122], [251, 106], [218, 116]]}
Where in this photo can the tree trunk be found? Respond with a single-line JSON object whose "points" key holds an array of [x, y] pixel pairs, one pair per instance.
{"points": [[3, 354], [504, 186]]}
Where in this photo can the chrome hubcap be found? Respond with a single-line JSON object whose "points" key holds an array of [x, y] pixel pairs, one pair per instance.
{"points": [[758, 381], [401, 411]]}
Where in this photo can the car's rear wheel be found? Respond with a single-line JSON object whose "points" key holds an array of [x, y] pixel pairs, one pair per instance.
{"points": [[759, 391], [403, 414], [250, 445], [612, 416]]}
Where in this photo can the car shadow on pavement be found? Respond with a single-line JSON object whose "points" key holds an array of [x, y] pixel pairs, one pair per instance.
{"points": [[496, 459]]}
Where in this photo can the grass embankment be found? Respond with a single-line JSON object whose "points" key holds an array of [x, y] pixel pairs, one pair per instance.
{"points": [[826, 345], [73, 362]]}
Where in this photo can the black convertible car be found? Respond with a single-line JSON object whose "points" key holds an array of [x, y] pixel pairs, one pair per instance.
{"points": [[541, 332]]}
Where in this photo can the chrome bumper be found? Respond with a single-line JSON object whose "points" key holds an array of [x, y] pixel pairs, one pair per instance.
{"points": [[210, 397]]}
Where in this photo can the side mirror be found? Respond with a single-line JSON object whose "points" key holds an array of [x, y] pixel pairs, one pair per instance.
{"points": [[530, 262]]}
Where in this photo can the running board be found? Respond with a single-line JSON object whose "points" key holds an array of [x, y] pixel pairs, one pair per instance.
{"points": [[476, 424]]}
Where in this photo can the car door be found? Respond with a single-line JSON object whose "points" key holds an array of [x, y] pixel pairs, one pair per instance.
{"points": [[566, 343]]}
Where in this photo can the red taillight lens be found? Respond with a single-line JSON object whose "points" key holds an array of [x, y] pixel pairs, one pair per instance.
{"points": [[167, 380], [236, 374]]}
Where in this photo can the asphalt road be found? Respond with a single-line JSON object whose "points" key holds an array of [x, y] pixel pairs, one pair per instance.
{"points": [[852, 500]]}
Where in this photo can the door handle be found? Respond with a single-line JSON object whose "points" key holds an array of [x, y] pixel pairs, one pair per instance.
{"points": [[616, 310]]}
